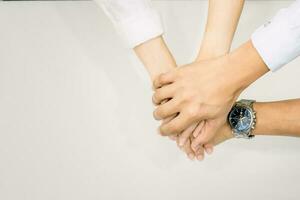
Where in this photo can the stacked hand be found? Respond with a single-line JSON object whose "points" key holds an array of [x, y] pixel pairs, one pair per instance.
{"points": [[193, 102]]}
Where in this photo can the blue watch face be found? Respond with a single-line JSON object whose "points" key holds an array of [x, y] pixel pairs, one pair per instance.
{"points": [[240, 118]]}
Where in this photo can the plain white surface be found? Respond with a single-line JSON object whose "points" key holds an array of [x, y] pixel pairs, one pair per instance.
{"points": [[76, 115]]}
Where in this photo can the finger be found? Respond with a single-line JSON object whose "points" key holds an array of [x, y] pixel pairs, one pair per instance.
{"points": [[184, 136], [198, 129], [208, 132], [164, 79], [200, 153], [163, 93], [166, 120], [176, 126], [163, 102], [188, 150], [167, 109], [173, 137], [209, 148]]}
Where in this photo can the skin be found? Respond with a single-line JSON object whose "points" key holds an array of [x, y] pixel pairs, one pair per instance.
{"points": [[280, 118], [221, 24], [155, 56], [269, 114], [157, 59], [195, 100], [222, 21]]}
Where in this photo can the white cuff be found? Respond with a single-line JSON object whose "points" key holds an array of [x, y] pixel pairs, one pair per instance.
{"points": [[140, 28], [278, 41]]}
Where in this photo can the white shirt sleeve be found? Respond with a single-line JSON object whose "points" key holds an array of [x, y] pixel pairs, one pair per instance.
{"points": [[278, 41], [135, 20]]}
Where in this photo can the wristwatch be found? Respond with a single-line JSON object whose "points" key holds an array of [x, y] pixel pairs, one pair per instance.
{"points": [[242, 119]]}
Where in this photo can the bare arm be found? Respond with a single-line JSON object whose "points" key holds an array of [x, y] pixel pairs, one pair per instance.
{"points": [[278, 118], [222, 21], [221, 24], [155, 56]]}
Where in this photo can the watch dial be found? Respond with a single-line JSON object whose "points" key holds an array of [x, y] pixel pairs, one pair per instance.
{"points": [[240, 118]]}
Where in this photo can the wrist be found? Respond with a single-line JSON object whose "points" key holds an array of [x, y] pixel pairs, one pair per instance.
{"points": [[244, 66], [210, 50], [155, 56], [207, 55], [214, 44]]}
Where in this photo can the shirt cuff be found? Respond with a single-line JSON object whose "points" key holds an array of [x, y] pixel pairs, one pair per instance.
{"points": [[140, 28], [277, 42]]}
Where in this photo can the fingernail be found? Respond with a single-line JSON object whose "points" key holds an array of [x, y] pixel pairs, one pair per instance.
{"points": [[181, 142], [200, 157], [209, 150], [191, 156]]}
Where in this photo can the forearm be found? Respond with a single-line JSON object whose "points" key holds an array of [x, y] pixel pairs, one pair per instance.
{"points": [[278, 118], [222, 20], [155, 56], [243, 66]]}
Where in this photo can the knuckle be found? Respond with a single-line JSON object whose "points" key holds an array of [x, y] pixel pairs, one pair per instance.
{"points": [[192, 111], [183, 94], [188, 94], [160, 112], [157, 96], [163, 78], [156, 83]]}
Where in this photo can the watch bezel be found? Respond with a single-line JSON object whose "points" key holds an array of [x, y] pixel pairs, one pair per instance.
{"points": [[247, 132]]}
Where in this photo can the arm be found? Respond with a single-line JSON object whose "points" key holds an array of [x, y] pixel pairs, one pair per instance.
{"points": [[280, 118], [222, 20], [155, 56], [157, 59], [221, 24], [207, 90], [213, 86], [140, 27]]}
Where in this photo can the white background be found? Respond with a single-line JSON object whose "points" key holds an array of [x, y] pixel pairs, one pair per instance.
{"points": [[76, 115]]}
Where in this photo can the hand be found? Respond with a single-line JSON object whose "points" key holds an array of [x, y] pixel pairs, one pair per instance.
{"points": [[193, 129], [223, 134], [200, 91]]}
